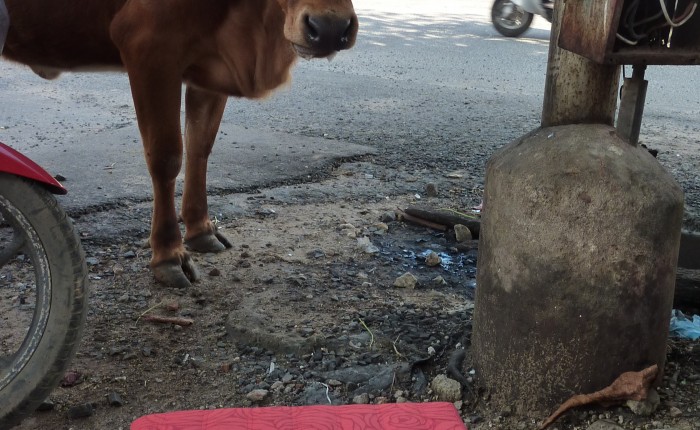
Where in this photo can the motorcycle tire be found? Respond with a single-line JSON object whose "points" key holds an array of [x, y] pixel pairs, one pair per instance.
{"points": [[30, 213], [509, 19]]}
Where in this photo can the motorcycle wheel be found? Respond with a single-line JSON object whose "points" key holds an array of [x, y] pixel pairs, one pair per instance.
{"points": [[43, 296], [510, 19]]}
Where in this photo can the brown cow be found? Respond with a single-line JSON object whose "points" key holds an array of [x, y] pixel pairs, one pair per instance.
{"points": [[218, 48]]}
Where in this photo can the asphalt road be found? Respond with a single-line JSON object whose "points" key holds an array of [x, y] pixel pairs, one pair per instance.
{"points": [[430, 84]]}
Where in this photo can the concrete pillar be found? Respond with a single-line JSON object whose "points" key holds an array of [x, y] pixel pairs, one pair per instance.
{"points": [[576, 269]]}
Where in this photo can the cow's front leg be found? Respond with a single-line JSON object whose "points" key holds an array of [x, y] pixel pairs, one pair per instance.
{"points": [[157, 96], [203, 112]]}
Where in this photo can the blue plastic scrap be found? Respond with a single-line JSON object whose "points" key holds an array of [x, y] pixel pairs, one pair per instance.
{"points": [[682, 326]]}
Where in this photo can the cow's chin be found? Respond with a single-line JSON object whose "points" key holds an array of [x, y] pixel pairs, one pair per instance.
{"points": [[308, 54]]}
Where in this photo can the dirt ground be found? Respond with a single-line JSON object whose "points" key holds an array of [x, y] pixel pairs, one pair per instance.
{"points": [[303, 307]]}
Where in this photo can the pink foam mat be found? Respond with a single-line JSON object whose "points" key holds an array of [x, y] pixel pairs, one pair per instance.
{"points": [[390, 416]]}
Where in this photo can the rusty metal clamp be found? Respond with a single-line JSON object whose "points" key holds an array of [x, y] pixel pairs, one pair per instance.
{"points": [[4, 23]]}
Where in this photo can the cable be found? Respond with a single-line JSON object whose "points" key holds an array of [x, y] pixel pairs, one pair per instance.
{"points": [[626, 40], [668, 18]]}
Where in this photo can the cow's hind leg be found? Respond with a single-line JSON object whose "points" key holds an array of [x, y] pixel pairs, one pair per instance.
{"points": [[203, 112]]}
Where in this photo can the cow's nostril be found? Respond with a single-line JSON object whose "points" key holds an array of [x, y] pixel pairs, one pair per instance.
{"points": [[313, 28], [346, 34]]}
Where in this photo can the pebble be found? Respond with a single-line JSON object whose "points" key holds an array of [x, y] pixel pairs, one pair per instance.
{"points": [[81, 411], [277, 386], [433, 259], [439, 281], [675, 412], [446, 389], [646, 407], [361, 399], [387, 217], [366, 245], [431, 190], [92, 261], [604, 425], [407, 280], [257, 395], [46, 405], [381, 228], [114, 399], [71, 378], [462, 233]]}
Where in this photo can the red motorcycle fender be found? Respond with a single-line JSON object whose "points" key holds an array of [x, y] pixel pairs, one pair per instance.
{"points": [[14, 163]]}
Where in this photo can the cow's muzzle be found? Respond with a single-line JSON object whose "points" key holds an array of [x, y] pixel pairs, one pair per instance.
{"points": [[326, 34]]}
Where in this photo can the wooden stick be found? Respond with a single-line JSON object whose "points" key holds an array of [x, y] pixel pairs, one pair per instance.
{"points": [[445, 218], [420, 221], [169, 320]]}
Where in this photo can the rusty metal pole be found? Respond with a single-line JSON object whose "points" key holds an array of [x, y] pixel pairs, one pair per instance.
{"points": [[577, 90]]}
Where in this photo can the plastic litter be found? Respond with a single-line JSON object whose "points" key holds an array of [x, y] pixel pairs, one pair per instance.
{"points": [[685, 327]]}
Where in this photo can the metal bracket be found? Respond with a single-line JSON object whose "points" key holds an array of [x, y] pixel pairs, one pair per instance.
{"points": [[629, 117], [4, 24]]}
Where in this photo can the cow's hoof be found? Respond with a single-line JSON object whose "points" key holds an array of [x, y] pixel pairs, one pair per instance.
{"points": [[209, 242], [173, 275]]}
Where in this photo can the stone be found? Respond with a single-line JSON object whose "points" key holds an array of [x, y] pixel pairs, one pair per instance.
{"points": [[114, 399], [675, 412], [46, 405], [366, 245], [316, 394], [645, 407], [361, 399], [407, 280], [387, 217], [433, 259], [381, 228], [92, 261], [81, 411], [438, 281], [462, 233], [604, 425], [446, 389], [257, 395]]}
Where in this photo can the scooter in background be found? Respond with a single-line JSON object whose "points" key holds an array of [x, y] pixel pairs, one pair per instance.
{"points": [[513, 17]]}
